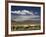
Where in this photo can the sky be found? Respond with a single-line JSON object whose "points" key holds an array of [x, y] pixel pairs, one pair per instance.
{"points": [[29, 8], [24, 10]]}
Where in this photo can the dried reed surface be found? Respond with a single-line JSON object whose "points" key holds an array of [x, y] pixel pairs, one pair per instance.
{"points": [[25, 25]]}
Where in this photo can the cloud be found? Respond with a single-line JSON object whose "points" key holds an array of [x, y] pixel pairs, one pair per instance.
{"points": [[22, 12], [24, 18]]}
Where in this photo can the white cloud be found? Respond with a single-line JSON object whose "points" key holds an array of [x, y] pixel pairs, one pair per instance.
{"points": [[23, 12], [23, 18], [15, 12]]}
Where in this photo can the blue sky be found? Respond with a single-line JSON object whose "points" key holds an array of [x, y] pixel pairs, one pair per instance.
{"points": [[34, 9], [21, 10]]}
